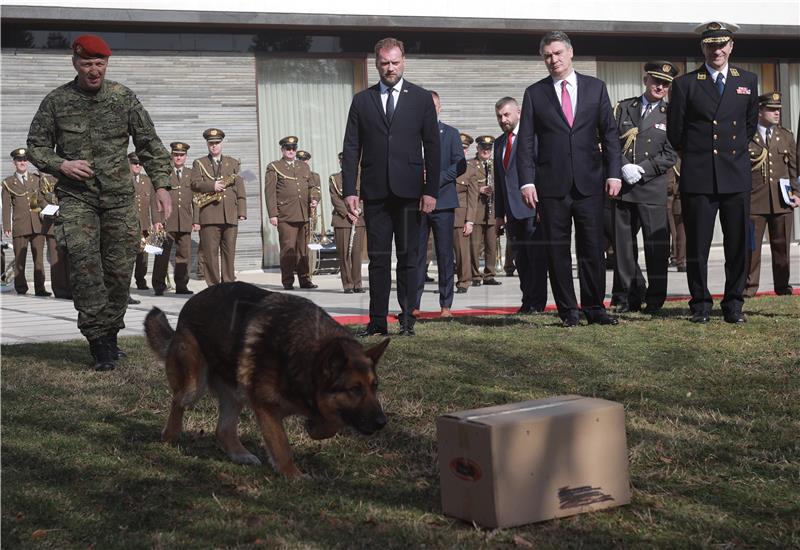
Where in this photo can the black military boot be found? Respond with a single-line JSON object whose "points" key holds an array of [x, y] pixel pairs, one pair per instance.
{"points": [[118, 353], [103, 356]]}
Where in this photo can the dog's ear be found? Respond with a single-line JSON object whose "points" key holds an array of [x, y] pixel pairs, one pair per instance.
{"points": [[376, 351]]}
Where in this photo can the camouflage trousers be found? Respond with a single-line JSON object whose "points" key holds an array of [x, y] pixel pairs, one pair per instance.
{"points": [[101, 246]]}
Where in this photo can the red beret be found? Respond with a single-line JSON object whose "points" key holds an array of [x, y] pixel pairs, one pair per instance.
{"points": [[89, 45]]}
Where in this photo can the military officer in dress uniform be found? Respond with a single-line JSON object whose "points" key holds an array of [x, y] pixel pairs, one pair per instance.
{"points": [[677, 233], [59, 262], [711, 117], [347, 227], [145, 206], [773, 157], [178, 226], [291, 193], [222, 203], [464, 221], [484, 233], [305, 156], [21, 222], [647, 157]]}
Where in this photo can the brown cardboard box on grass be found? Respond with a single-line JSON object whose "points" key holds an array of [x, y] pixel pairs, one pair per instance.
{"points": [[533, 461]]}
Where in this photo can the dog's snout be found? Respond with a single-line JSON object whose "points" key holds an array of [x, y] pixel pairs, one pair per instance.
{"points": [[380, 420]]}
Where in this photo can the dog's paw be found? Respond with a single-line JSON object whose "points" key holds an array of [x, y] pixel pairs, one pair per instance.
{"points": [[247, 459]]}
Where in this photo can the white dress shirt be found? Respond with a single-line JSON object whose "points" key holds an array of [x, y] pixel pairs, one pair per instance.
{"points": [[395, 93], [572, 88], [763, 131], [714, 73], [20, 176]]}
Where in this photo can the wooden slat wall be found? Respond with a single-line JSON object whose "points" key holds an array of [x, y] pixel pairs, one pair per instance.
{"points": [[469, 87], [184, 94]]}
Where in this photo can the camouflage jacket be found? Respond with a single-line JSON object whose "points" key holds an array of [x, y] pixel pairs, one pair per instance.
{"points": [[96, 128]]}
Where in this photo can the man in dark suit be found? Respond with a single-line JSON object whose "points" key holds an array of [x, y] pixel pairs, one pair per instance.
{"points": [[388, 127], [441, 220], [518, 218], [647, 157], [568, 117], [711, 117]]}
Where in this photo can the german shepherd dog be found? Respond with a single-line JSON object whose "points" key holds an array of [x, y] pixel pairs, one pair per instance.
{"points": [[277, 352]]}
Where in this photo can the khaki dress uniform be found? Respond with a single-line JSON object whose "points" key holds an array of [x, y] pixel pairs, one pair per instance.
{"points": [[675, 219], [59, 262], [465, 212], [289, 190], [179, 233], [350, 263], [219, 220], [21, 214], [484, 233], [146, 211], [767, 209]]}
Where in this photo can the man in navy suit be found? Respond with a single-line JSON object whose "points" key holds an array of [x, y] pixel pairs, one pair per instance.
{"points": [[568, 156], [442, 219], [388, 128], [518, 218], [711, 116]]}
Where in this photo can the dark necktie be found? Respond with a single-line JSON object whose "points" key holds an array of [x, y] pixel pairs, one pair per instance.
{"points": [[178, 174], [507, 152], [768, 134], [720, 83], [647, 110], [390, 104], [25, 176]]}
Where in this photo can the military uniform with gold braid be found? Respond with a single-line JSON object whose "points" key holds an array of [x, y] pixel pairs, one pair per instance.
{"points": [[349, 236], [675, 219], [147, 214], [178, 227], [463, 214], [771, 162], [289, 191], [219, 211], [484, 233], [647, 156], [59, 261], [21, 220]]}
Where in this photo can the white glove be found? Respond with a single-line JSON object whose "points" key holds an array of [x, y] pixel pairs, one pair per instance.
{"points": [[632, 173]]}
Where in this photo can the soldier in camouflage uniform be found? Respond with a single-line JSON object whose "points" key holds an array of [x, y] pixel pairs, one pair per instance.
{"points": [[81, 132]]}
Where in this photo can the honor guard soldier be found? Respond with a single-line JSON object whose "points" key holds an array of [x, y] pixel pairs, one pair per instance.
{"points": [[711, 117], [145, 207], [773, 158], [178, 226], [647, 157], [677, 233], [305, 156], [484, 234], [81, 132], [59, 264], [222, 204], [21, 222], [349, 234], [290, 192], [464, 221]]}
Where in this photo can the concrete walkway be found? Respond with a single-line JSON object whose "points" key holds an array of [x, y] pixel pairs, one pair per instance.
{"points": [[31, 319]]}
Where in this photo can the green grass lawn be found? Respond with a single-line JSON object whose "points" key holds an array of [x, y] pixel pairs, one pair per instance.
{"points": [[712, 412]]}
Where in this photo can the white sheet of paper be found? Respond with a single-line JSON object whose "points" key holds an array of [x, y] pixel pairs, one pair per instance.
{"points": [[314, 246], [785, 186], [150, 249], [50, 210]]}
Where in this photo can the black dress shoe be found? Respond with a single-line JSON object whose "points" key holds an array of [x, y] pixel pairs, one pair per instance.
{"points": [[42, 293], [604, 320], [22, 292], [651, 310], [348, 290], [428, 278], [308, 284], [510, 273], [492, 282], [477, 282], [525, 310], [288, 287], [461, 290], [628, 308], [142, 286], [64, 296], [736, 318], [132, 302], [407, 331], [359, 290], [569, 323], [784, 291], [183, 291], [372, 331], [699, 317], [158, 292]]}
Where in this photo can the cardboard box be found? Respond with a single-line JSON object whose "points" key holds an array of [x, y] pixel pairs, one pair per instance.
{"points": [[533, 461]]}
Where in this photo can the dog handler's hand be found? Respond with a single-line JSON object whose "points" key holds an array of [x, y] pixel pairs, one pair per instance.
{"points": [[427, 204]]}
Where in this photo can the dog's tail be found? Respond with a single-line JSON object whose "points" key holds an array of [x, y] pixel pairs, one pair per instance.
{"points": [[159, 333]]}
